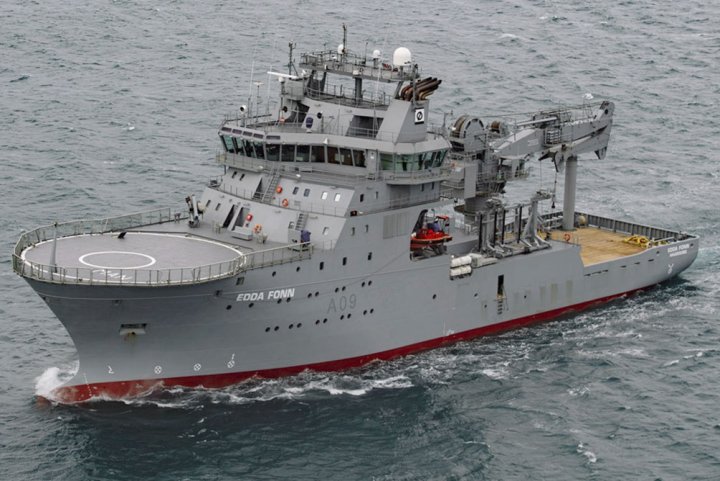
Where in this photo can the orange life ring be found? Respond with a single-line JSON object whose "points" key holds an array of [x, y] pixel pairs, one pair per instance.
{"points": [[279, 189], [258, 228], [285, 203], [567, 237]]}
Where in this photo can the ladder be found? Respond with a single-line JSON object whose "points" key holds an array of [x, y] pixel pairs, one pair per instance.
{"points": [[301, 221], [270, 191]]}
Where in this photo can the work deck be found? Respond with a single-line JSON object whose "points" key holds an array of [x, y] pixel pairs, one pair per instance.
{"points": [[598, 245]]}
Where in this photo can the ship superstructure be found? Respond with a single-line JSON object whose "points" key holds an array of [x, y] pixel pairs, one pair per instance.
{"points": [[344, 228]]}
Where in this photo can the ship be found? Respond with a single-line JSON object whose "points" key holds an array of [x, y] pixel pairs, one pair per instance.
{"points": [[345, 228]]}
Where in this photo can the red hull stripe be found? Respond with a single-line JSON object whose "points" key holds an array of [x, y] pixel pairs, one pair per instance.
{"points": [[130, 389]]}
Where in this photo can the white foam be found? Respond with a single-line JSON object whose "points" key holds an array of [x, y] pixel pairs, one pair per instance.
{"points": [[52, 378], [591, 457]]}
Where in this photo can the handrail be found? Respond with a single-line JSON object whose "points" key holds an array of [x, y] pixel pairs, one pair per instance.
{"points": [[140, 277], [96, 226], [162, 277]]}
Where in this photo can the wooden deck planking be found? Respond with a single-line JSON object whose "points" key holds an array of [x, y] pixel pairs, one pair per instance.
{"points": [[598, 245]]}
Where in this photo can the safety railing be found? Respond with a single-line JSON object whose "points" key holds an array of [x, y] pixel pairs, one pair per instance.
{"points": [[162, 277], [139, 277], [97, 226]]}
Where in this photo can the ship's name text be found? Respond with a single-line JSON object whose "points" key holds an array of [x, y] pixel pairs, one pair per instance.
{"points": [[266, 295], [678, 250]]}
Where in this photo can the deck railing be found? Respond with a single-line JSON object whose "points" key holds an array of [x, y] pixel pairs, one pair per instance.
{"points": [[140, 277]]}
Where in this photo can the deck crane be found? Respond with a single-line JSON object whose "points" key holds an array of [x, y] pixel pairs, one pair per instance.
{"points": [[487, 156]]}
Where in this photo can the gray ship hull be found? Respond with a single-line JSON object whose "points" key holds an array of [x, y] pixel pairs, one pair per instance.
{"points": [[286, 318]]}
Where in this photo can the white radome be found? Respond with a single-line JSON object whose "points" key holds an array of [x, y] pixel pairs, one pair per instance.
{"points": [[402, 57]]}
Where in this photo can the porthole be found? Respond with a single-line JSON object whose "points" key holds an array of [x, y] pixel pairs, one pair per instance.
{"points": [[288, 299], [267, 329], [277, 328], [299, 325], [369, 283], [297, 269], [363, 284], [290, 326], [317, 293], [317, 322], [343, 288], [349, 315], [229, 306], [325, 321], [251, 304], [372, 310], [279, 301], [434, 296], [337, 289], [342, 317], [365, 312], [273, 274], [239, 281], [309, 295]]}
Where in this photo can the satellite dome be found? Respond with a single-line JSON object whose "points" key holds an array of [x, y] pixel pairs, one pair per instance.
{"points": [[402, 57], [341, 49], [376, 54]]}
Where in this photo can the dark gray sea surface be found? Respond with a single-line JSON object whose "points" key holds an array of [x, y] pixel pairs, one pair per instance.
{"points": [[109, 107]]}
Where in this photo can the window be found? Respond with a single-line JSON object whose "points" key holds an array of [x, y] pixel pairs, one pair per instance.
{"points": [[306, 193], [324, 195], [259, 149], [352, 230], [326, 230], [362, 197], [345, 156], [322, 265], [234, 174], [377, 194], [217, 207], [359, 157], [367, 228], [272, 152], [302, 153], [228, 143], [287, 153], [332, 155], [248, 146], [295, 190], [369, 256], [318, 153], [337, 197], [344, 261]]}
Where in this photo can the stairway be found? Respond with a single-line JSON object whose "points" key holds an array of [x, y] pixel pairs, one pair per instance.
{"points": [[301, 221], [272, 185]]}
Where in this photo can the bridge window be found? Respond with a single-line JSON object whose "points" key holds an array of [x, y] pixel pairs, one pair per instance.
{"points": [[359, 158], [337, 197], [228, 143], [295, 190], [272, 152], [287, 153], [324, 195], [306, 193], [318, 153], [440, 157], [248, 147], [259, 149], [302, 153]]}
